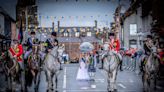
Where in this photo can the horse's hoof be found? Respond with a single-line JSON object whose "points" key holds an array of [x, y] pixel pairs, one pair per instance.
{"points": [[22, 90], [8, 90], [115, 90], [47, 90]]}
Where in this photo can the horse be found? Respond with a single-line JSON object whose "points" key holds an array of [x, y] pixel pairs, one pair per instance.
{"points": [[33, 68], [111, 64], [60, 55], [12, 72], [150, 72], [51, 68]]}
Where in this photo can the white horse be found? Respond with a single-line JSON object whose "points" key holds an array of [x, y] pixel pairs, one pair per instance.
{"points": [[60, 55], [111, 64], [51, 68]]}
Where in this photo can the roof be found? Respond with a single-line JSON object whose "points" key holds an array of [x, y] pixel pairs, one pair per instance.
{"points": [[69, 39], [89, 39], [78, 40]]}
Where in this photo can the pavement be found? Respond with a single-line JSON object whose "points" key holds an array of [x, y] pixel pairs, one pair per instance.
{"points": [[127, 81]]}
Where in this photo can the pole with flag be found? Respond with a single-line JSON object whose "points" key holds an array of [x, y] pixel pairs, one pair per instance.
{"points": [[20, 34]]}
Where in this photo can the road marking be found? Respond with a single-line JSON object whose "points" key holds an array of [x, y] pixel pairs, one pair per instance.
{"points": [[121, 85], [93, 86], [64, 78]]}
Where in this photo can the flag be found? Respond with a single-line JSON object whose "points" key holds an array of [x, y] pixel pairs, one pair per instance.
{"points": [[20, 35]]}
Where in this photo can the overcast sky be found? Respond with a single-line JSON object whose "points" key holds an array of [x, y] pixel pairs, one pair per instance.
{"points": [[82, 12]]}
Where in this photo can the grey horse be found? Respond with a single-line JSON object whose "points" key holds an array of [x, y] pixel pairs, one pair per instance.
{"points": [[51, 68], [150, 72], [111, 64]]}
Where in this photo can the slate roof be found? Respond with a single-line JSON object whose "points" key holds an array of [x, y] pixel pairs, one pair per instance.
{"points": [[78, 40]]}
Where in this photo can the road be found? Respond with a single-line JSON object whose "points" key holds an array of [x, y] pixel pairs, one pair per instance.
{"points": [[127, 81]]}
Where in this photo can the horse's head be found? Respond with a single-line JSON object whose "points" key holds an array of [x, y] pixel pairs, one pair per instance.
{"points": [[10, 63], [54, 51], [35, 49], [60, 50]]}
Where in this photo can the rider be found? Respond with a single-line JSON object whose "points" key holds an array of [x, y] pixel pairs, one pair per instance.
{"points": [[114, 45], [16, 51], [148, 45], [31, 41], [50, 41]]}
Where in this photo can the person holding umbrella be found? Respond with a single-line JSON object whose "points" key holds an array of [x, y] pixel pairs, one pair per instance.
{"points": [[82, 73], [87, 47]]}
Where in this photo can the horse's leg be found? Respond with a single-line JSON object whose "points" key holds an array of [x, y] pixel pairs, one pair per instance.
{"points": [[8, 83], [54, 85], [148, 84], [143, 81], [56, 82], [108, 87], [114, 79], [38, 79], [155, 82], [49, 80], [22, 80]]}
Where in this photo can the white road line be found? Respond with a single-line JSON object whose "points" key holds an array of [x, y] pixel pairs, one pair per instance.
{"points": [[93, 86], [121, 85], [64, 78]]}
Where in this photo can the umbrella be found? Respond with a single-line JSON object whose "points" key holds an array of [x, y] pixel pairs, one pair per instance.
{"points": [[86, 47]]}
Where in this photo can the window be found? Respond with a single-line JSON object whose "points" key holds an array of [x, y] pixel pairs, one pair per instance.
{"points": [[133, 29], [77, 34], [65, 34], [89, 34]]}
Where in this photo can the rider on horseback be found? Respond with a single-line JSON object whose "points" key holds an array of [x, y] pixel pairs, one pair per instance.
{"points": [[16, 50], [51, 42], [114, 45], [31, 41], [148, 43]]}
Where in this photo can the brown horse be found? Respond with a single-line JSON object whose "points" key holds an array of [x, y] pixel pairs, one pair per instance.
{"points": [[12, 72], [33, 68]]}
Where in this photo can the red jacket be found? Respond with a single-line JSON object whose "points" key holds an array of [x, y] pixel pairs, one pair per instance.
{"points": [[115, 45], [18, 52]]}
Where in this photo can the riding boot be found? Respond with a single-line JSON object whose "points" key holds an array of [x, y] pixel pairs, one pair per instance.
{"points": [[121, 66]]}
